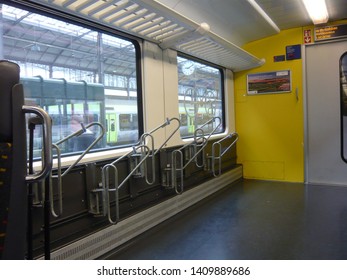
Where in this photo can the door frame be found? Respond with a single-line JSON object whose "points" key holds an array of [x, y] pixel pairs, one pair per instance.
{"points": [[306, 116]]}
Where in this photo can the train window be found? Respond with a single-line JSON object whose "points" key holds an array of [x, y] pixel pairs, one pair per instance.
{"points": [[200, 94], [343, 94], [77, 72]]}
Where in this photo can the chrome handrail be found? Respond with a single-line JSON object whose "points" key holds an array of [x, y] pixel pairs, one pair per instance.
{"points": [[60, 185], [204, 140], [166, 123], [60, 175], [149, 134], [145, 153], [77, 133], [47, 143], [220, 154], [117, 187], [107, 190], [199, 144]]}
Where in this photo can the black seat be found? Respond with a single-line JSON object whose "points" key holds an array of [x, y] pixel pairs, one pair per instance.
{"points": [[13, 202]]}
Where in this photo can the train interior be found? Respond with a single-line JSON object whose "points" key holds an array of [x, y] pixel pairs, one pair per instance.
{"points": [[172, 129]]}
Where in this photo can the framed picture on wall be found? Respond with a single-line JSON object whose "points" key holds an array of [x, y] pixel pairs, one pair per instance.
{"points": [[269, 82]]}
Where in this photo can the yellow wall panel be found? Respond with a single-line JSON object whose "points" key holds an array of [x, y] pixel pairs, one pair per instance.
{"points": [[264, 170], [270, 126]]}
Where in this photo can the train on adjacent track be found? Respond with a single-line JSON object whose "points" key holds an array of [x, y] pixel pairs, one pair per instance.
{"points": [[64, 100]]}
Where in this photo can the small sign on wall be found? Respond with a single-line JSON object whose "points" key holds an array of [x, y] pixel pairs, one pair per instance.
{"points": [[307, 36], [293, 52], [279, 58], [269, 82]]}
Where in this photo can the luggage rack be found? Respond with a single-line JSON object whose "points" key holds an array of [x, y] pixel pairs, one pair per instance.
{"points": [[157, 23]]}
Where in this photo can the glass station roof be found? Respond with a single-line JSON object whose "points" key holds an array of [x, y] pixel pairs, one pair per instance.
{"points": [[33, 38]]}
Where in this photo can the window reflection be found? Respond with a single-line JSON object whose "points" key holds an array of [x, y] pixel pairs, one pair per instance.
{"points": [[200, 95]]}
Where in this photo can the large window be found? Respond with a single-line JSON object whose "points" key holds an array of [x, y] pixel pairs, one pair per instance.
{"points": [[200, 94], [78, 74]]}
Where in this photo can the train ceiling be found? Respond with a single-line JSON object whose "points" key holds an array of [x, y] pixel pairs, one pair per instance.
{"points": [[212, 30], [238, 21]]}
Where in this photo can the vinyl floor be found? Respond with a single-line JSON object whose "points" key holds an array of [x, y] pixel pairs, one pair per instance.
{"points": [[251, 219]]}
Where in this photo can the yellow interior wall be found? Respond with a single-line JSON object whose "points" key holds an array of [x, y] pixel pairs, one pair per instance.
{"points": [[270, 126]]}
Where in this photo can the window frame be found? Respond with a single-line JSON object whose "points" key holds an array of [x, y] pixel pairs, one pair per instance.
{"points": [[222, 89], [75, 20]]}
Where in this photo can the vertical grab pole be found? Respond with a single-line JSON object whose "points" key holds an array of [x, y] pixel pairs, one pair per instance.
{"points": [[46, 168], [30, 195], [47, 213], [31, 126]]}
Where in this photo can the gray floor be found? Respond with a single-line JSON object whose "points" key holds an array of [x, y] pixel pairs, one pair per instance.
{"points": [[252, 220]]}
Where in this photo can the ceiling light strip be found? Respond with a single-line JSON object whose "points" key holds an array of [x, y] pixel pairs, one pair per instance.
{"points": [[317, 11], [264, 15]]}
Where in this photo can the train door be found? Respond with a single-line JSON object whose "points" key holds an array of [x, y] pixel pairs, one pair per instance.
{"points": [[111, 127], [324, 127]]}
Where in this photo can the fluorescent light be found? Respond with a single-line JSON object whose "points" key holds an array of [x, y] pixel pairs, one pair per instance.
{"points": [[317, 10]]}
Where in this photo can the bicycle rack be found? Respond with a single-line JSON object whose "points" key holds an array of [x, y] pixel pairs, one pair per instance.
{"points": [[168, 122], [138, 156], [145, 153], [60, 175], [220, 154], [194, 149]]}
